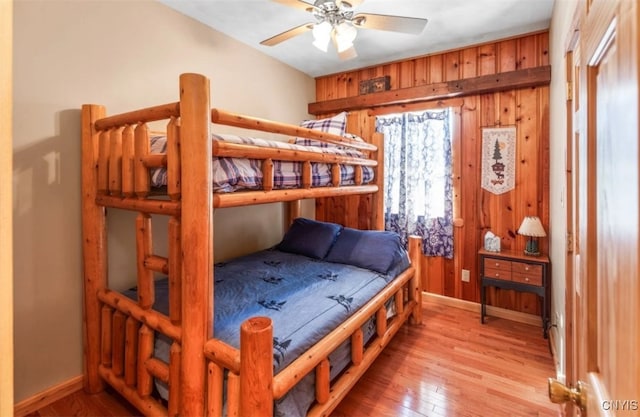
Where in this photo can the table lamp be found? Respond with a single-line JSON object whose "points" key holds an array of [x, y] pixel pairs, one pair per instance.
{"points": [[532, 227]]}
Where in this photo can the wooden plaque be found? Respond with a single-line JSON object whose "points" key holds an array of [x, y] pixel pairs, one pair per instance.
{"points": [[375, 85]]}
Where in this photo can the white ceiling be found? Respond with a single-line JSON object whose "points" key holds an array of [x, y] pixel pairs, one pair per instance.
{"points": [[452, 24]]}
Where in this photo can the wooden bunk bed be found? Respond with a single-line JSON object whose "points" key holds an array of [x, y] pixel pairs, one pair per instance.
{"points": [[205, 375]]}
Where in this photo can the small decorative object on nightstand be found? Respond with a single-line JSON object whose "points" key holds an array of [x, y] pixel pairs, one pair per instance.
{"points": [[491, 242], [532, 227]]}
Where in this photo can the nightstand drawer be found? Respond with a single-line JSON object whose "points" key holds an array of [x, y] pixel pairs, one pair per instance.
{"points": [[527, 269], [530, 279], [497, 273], [500, 264]]}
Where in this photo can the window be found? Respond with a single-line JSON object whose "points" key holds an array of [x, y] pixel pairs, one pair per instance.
{"points": [[418, 187]]}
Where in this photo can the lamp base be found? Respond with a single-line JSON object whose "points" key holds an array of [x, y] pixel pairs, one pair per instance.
{"points": [[531, 249]]}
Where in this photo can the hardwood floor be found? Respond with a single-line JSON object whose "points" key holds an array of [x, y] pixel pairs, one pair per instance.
{"points": [[454, 366], [451, 365]]}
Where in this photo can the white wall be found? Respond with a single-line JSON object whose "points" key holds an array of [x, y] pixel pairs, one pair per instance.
{"points": [[125, 55], [560, 26]]}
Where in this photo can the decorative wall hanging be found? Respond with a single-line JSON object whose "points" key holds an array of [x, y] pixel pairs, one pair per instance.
{"points": [[499, 159]]}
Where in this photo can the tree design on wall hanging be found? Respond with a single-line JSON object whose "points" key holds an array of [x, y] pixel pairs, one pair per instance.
{"points": [[499, 159]]}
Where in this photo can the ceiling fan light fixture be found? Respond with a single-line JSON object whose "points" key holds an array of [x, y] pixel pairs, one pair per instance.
{"points": [[321, 45], [322, 35], [336, 22], [344, 35]]}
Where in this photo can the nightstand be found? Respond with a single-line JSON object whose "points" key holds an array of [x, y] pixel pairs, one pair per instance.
{"points": [[512, 270]]}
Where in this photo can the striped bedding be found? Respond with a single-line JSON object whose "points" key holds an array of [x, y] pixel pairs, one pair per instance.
{"points": [[234, 174]]}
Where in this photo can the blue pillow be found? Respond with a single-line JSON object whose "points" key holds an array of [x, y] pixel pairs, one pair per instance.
{"points": [[371, 249], [309, 238]]}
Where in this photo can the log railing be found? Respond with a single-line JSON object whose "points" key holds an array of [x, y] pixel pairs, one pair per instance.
{"points": [[247, 122], [124, 162]]}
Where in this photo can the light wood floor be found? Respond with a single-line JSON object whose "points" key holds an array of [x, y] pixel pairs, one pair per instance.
{"points": [[451, 365]]}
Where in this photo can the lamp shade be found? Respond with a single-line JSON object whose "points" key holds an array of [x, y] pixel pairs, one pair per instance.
{"points": [[531, 226], [344, 34], [322, 35]]}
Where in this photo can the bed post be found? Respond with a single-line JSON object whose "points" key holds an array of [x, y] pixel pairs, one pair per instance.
{"points": [[256, 367], [94, 248], [415, 293], [294, 210], [377, 201], [197, 239]]}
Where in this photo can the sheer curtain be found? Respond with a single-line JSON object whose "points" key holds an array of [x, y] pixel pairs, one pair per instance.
{"points": [[418, 190]]}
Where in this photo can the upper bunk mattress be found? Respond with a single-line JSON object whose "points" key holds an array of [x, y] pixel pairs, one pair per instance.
{"points": [[234, 174]]}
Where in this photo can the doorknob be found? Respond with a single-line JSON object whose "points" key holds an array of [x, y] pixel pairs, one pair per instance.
{"points": [[559, 393]]}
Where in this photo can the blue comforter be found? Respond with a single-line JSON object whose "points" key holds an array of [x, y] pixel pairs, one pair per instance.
{"points": [[305, 298]]}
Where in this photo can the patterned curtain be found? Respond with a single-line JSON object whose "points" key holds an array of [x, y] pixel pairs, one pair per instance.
{"points": [[418, 187]]}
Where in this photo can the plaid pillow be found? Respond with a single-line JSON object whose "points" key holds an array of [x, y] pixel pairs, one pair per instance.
{"points": [[336, 125]]}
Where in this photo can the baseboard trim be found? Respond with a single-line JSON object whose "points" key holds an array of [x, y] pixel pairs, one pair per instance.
{"points": [[553, 338], [48, 396], [502, 313]]}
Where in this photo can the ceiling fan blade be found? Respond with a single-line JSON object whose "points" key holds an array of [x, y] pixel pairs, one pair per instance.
{"points": [[298, 4], [347, 54], [281, 37], [412, 25]]}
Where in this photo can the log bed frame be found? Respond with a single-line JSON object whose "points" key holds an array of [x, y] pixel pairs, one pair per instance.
{"points": [[119, 333]]}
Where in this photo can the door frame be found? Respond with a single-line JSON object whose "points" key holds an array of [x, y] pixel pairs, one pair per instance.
{"points": [[6, 208], [572, 57]]}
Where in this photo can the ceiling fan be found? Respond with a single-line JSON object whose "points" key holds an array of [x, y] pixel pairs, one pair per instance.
{"points": [[336, 20]]}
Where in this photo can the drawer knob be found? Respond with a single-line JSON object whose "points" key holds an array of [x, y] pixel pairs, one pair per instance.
{"points": [[497, 263], [526, 268], [526, 279]]}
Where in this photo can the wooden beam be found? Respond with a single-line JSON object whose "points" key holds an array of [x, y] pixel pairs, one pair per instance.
{"points": [[525, 78]]}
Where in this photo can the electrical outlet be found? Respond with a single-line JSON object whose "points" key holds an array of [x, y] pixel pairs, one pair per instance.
{"points": [[465, 275]]}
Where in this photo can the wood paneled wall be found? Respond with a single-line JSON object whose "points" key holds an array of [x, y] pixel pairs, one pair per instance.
{"points": [[476, 210]]}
